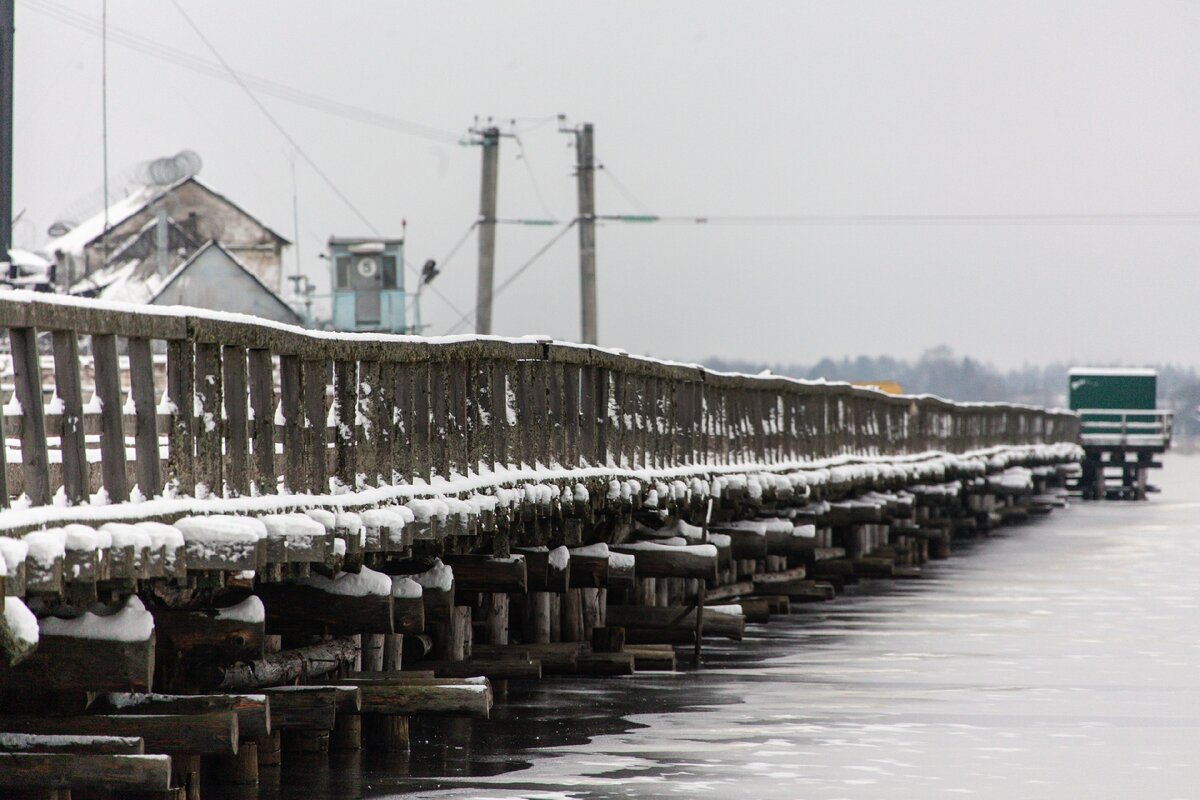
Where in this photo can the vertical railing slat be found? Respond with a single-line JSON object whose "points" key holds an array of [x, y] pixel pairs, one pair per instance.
{"points": [[291, 408], [27, 375], [70, 393], [236, 433], [209, 461], [262, 429], [181, 434], [145, 437], [113, 459], [345, 401], [313, 376]]}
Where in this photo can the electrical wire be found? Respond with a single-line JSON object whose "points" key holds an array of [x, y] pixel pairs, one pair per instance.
{"points": [[291, 94], [296, 145], [1136, 218], [621, 188], [516, 274], [524, 159]]}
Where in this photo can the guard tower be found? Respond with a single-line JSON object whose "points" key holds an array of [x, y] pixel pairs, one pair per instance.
{"points": [[368, 284], [1121, 429]]}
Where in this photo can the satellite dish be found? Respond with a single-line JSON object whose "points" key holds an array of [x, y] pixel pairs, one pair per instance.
{"points": [[169, 169]]}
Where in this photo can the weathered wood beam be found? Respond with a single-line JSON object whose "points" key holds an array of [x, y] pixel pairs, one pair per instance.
{"points": [[662, 618], [85, 771], [284, 666], [214, 732], [445, 696], [668, 561], [295, 607], [481, 573], [70, 663], [253, 710], [52, 743]]}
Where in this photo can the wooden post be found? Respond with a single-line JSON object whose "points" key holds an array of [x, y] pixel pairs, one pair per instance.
{"points": [[539, 610], [497, 619], [112, 427], [572, 616], [373, 651]]}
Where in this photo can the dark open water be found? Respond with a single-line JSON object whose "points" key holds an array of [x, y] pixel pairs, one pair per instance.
{"points": [[1058, 659]]}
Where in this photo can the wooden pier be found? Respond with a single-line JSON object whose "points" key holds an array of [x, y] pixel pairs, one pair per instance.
{"points": [[227, 542]]}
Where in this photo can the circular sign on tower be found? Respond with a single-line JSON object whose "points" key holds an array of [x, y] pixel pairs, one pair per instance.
{"points": [[367, 267]]}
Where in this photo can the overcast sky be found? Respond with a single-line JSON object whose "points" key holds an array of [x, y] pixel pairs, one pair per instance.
{"points": [[700, 108]]}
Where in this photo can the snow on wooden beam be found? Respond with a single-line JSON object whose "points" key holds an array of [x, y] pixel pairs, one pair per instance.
{"points": [[672, 561], [229, 634], [547, 570], [253, 710], [346, 603], [481, 573], [92, 652]]}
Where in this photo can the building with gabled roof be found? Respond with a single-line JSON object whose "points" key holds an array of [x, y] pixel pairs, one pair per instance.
{"points": [[213, 277], [90, 257]]}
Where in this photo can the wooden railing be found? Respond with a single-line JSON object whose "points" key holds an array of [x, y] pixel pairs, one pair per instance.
{"points": [[251, 404], [1126, 427]]}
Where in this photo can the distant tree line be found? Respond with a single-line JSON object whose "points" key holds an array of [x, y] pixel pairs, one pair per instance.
{"points": [[939, 371]]}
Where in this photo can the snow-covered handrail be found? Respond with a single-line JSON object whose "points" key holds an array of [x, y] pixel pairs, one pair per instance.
{"points": [[245, 406]]}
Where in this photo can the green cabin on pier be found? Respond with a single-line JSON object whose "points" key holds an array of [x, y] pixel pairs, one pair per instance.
{"points": [[1121, 427]]}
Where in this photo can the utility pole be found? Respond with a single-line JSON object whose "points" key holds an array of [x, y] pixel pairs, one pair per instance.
{"points": [[585, 178], [6, 127], [489, 140]]}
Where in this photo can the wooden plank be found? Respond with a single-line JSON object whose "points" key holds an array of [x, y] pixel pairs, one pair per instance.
{"points": [[262, 428], [27, 375], [67, 663], [422, 461], [438, 406], [181, 443], [90, 771], [403, 421], [345, 399], [313, 375], [112, 425], [482, 573], [209, 461], [145, 436], [96, 745], [212, 733], [368, 437], [70, 392], [293, 423], [294, 607], [236, 432], [253, 710]]}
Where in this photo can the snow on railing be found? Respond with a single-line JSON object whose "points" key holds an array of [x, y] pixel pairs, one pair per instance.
{"points": [[250, 407]]}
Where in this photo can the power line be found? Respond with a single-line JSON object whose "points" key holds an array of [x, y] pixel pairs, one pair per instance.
{"points": [[516, 274], [1135, 218], [283, 91], [524, 159], [296, 145], [621, 188]]}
